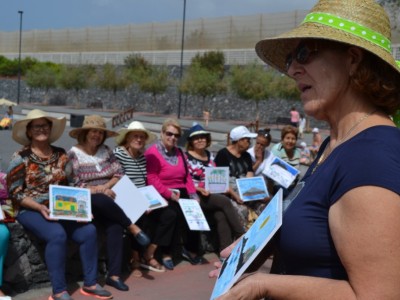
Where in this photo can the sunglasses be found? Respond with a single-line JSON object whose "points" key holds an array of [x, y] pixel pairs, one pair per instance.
{"points": [[301, 55], [169, 134], [38, 128]]}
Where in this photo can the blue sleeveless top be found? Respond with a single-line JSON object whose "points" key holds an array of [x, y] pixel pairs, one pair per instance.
{"points": [[305, 244]]}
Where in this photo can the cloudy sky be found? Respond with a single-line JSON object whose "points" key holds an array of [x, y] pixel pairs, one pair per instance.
{"points": [[59, 14]]}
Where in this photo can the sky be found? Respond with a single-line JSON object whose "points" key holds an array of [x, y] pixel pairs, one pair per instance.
{"points": [[62, 14]]}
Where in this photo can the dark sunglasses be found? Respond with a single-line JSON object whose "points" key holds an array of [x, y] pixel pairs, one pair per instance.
{"points": [[301, 54], [169, 134]]}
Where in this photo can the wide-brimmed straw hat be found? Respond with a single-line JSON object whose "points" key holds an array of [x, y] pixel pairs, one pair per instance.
{"points": [[362, 23], [19, 128], [134, 126], [92, 122]]}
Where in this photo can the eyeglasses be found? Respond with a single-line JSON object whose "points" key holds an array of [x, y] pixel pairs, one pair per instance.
{"points": [[169, 134], [138, 136], [43, 127], [301, 54], [200, 137]]}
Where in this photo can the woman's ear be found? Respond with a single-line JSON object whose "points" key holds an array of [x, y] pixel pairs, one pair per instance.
{"points": [[355, 57]]}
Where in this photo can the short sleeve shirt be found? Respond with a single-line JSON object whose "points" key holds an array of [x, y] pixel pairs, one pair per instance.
{"points": [[305, 243]]}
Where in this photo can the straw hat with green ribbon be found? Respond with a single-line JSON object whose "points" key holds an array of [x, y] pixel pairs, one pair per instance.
{"points": [[362, 23]]}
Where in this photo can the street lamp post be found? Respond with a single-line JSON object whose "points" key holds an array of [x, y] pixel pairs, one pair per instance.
{"points": [[181, 66], [19, 54]]}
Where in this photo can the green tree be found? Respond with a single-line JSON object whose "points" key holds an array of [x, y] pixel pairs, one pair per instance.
{"points": [[43, 76], [251, 82], [155, 81], [284, 87], [214, 61], [111, 78], [76, 78], [201, 82]]}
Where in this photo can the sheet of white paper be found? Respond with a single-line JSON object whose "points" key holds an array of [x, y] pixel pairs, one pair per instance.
{"points": [[154, 197], [194, 215], [280, 171], [130, 199]]}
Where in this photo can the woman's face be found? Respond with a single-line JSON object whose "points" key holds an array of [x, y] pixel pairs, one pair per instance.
{"points": [[199, 142], [39, 130], [261, 143], [170, 137], [243, 144], [136, 140], [289, 141], [95, 137], [322, 76]]}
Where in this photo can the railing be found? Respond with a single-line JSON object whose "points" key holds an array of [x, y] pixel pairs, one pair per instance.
{"points": [[122, 117]]}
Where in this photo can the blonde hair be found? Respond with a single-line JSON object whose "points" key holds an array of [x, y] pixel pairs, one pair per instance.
{"points": [[171, 122]]}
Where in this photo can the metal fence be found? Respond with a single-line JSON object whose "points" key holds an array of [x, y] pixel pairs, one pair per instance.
{"points": [[158, 43], [235, 32]]}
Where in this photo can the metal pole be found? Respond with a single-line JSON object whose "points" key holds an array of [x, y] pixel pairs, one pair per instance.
{"points": [[19, 55], [181, 67]]}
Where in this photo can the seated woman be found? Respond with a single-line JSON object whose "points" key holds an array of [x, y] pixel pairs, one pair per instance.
{"points": [[236, 157], [168, 173], [129, 152], [32, 169], [95, 167], [287, 151], [227, 220]]}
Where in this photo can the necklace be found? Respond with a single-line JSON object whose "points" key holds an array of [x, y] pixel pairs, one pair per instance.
{"points": [[328, 149]]}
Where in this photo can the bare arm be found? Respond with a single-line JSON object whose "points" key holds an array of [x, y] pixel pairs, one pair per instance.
{"points": [[365, 227]]}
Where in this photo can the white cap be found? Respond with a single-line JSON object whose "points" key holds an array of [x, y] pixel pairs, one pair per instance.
{"points": [[315, 130], [241, 132], [303, 144]]}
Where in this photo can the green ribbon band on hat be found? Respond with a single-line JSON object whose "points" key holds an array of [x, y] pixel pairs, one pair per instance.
{"points": [[350, 27], [398, 63]]}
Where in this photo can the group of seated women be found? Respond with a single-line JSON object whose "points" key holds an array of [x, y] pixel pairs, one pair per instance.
{"points": [[161, 236]]}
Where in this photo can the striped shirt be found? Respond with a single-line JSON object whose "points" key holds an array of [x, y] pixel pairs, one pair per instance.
{"points": [[134, 168]]}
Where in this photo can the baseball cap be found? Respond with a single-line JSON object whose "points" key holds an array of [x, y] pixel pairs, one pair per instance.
{"points": [[241, 132], [315, 130]]}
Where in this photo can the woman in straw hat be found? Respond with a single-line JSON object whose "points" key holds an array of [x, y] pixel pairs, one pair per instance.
{"points": [[32, 169], [95, 167], [340, 235], [129, 152]]}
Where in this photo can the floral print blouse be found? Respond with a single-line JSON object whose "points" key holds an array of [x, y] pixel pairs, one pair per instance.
{"points": [[29, 175], [92, 170]]}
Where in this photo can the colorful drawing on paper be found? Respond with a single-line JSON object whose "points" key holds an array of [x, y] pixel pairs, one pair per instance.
{"points": [[253, 188], [70, 203]]}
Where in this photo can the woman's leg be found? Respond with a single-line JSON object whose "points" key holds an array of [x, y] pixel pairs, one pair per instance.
{"points": [[163, 222], [85, 236], [224, 232], [104, 206], [4, 237], [219, 202], [55, 237]]}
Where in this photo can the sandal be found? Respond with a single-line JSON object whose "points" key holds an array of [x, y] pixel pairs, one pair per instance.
{"points": [[153, 265], [135, 266]]}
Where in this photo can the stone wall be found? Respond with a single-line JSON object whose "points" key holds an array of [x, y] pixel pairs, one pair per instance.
{"points": [[224, 107]]}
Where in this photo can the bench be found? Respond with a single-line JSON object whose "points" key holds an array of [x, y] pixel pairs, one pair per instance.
{"points": [[282, 121]]}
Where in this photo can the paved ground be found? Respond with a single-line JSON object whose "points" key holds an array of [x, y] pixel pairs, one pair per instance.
{"points": [[186, 281]]}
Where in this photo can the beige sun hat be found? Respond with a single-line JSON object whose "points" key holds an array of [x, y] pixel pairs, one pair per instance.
{"points": [[362, 23], [92, 122], [19, 128], [134, 126]]}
